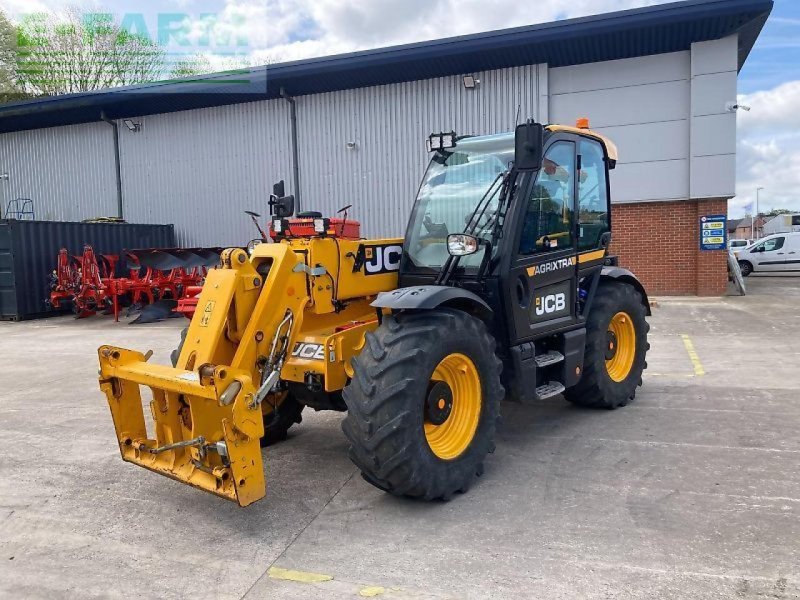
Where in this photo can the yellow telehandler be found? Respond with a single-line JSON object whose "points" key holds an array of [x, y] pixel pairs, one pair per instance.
{"points": [[502, 287]]}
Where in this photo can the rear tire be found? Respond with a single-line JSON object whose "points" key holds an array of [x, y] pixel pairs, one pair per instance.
{"points": [[278, 421], [746, 268], [608, 380], [397, 439]]}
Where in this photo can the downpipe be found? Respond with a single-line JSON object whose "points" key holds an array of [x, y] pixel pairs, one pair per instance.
{"points": [[104, 117], [295, 152]]}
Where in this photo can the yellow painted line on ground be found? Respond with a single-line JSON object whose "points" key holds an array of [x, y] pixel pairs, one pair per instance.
{"points": [[649, 374], [301, 576], [371, 591], [698, 366]]}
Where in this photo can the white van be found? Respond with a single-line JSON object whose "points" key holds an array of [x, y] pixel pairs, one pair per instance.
{"points": [[736, 246], [778, 252]]}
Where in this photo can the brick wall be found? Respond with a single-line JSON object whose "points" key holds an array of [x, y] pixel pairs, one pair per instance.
{"points": [[660, 243]]}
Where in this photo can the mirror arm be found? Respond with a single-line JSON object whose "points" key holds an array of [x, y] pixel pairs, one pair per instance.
{"points": [[487, 255]]}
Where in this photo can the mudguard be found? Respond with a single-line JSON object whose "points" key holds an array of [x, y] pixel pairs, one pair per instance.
{"points": [[620, 274], [426, 297]]}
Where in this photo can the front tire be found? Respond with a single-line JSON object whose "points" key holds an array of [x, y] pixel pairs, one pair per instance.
{"points": [[745, 267], [616, 347], [423, 403]]}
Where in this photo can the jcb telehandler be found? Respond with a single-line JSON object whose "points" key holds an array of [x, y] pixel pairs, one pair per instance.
{"points": [[501, 287]]}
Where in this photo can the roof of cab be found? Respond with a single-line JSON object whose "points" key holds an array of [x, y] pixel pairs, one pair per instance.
{"points": [[611, 147]]}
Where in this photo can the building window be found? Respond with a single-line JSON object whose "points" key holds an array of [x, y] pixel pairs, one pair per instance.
{"points": [[549, 216]]}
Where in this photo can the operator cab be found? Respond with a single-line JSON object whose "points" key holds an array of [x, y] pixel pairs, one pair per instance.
{"points": [[566, 204], [520, 223]]}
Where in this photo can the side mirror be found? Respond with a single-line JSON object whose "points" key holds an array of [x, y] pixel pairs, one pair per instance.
{"points": [[461, 244], [528, 143]]}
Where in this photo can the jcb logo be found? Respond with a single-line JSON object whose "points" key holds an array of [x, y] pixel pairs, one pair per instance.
{"points": [[309, 351], [382, 259], [551, 303]]}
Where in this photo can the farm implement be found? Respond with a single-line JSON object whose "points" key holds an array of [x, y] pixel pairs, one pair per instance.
{"points": [[152, 279]]}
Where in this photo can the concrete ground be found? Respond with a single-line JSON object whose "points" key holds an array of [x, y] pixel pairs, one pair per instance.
{"points": [[692, 491]]}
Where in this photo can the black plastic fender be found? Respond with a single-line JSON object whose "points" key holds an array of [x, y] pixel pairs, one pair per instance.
{"points": [[620, 274], [426, 297]]}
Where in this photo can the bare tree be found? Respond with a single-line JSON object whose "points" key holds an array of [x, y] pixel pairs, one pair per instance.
{"points": [[78, 52]]}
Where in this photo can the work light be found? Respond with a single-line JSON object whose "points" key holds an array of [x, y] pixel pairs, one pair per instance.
{"points": [[441, 141]]}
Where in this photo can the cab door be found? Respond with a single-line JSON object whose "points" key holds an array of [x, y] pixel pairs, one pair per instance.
{"points": [[540, 284]]}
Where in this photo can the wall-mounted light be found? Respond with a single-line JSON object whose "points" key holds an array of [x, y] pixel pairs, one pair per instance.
{"points": [[733, 107], [4, 176], [352, 145], [134, 127], [470, 82]]}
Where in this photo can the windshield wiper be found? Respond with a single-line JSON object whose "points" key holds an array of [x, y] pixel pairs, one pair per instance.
{"points": [[451, 263]]}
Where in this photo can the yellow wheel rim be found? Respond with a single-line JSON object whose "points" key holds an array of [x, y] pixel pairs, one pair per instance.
{"points": [[620, 346], [450, 438]]}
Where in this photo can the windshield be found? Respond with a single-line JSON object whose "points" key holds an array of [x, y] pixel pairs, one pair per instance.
{"points": [[451, 189]]}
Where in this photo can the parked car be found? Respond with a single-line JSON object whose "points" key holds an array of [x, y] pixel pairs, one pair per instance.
{"points": [[736, 245], [778, 252]]}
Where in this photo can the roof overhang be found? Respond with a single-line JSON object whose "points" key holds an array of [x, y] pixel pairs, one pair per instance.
{"points": [[625, 34]]}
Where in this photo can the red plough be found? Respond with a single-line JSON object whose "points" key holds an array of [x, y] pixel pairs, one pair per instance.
{"points": [[155, 279]]}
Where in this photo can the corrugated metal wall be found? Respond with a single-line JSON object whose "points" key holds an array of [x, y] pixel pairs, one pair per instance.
{"points": [[389, 125], [68, 172], [200, 169]]}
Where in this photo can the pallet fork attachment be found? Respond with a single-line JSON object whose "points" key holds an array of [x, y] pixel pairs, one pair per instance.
{"points": [[206, 412]]}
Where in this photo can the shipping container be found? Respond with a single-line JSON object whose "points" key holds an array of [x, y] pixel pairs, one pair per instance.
{"points": [[29, 253]]}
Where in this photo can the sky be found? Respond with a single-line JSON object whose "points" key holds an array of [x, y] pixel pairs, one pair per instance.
{"points": [[768, 153]]}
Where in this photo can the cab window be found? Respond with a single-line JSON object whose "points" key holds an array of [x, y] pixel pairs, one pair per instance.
{"points": [[770, 245], [549, 218], [592, 195]]}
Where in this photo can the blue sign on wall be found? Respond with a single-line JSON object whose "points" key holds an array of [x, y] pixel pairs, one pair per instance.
{"points": [[713, 232]]}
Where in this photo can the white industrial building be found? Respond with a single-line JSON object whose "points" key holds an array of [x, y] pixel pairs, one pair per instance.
{"points": [[660, 81], [782, 224]]}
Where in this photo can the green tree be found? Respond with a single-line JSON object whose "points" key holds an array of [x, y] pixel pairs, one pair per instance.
{"points": [[79, 52], [9, 84], [200, 64]]}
